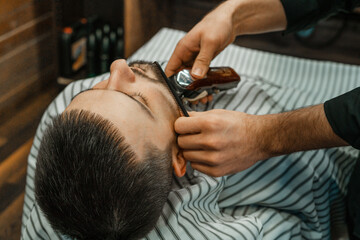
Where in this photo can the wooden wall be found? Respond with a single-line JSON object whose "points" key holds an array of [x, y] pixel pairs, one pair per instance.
{"points": [[142, 19], [27, 67], [27, 51]]}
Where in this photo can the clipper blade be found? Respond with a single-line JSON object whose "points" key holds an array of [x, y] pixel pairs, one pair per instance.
{"points": [[172, 91]]}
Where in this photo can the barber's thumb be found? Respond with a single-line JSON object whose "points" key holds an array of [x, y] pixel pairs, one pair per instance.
{"points": [[200, 67]]}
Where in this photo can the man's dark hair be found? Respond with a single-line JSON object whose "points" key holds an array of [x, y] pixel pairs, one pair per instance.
{"points": [[91, 185]]}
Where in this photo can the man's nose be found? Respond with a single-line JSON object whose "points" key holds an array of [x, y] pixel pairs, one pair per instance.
{"points": [[120, 75]]}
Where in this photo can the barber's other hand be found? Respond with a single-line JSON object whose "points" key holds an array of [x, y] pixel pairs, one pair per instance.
{"points": [[220, 142], [204, 42]]}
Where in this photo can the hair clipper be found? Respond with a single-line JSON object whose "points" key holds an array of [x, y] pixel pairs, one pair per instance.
{"points": [[185, 88], [217, 79]]}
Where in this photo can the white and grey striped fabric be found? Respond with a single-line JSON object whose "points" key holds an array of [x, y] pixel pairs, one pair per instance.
{"points": [[298, 196]]}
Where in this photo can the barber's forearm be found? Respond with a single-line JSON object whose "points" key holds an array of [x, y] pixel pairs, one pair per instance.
{"points": [[299, 130], [256, 16]]}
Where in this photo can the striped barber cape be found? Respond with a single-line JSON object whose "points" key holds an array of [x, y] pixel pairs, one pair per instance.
{"points": [[297, 196]]}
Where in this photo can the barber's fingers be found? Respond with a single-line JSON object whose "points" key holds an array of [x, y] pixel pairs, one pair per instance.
{"points": [[208, 50], [206, 99], [188, 125], [174, 64], [203, 168], [182, 55], [201, 157], [191, 142], [203, 100], [203, 162]]}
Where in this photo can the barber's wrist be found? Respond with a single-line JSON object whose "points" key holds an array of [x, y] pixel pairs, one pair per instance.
{"points": [[257, 133], [297, 130], [270, 144], [257, 16], [228, 11], [240, 11]]}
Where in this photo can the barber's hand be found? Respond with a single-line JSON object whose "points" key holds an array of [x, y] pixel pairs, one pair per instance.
{"points": [[203, 100], [220, 142], [204, 42]]}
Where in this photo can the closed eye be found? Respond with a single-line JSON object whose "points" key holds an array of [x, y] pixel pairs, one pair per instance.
{"points": [[145, 99]]}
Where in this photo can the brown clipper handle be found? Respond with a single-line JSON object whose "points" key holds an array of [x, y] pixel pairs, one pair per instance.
{"points": [[215, 76]]}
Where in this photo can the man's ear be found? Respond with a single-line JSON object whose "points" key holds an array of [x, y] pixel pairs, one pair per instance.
{"points": [[178, 162]]}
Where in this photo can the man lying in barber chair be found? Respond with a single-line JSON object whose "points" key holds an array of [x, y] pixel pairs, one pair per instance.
{"points": [[105, 165]]}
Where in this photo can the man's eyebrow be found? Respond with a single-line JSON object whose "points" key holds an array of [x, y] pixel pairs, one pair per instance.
{"points": [[139, 62], [152, 67], [144, 75], [149, 113]]}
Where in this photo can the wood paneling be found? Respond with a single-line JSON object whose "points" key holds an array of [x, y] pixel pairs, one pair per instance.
{"points": [[3, 141], [27, 67], [26, 32], [25, 62], [24, 119], [142, 20], [12, 166], [10, 220], [10, 6], [18, 131], [22, 15], [26, 88], [27, 48], [26, 72], [12, 184]]}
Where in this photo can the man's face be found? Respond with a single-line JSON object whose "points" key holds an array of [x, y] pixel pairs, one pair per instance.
{"points": [[136, 100]]}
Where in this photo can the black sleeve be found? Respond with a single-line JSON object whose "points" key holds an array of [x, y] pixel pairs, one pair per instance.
{"points": [[343, 114], [301, 14]]}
